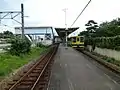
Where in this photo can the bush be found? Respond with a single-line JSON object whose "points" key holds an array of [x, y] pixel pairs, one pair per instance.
{"points": [[41, 45], [105, 42], [20, 46]]}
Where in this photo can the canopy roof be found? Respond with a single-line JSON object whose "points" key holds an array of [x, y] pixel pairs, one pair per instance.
{"points": [[61, 31]]}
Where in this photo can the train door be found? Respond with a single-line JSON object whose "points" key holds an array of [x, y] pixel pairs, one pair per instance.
{"points": [[73, 40], [78, 39]]}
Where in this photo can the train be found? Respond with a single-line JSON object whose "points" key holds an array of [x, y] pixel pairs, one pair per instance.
{"points": [[76, 42]]}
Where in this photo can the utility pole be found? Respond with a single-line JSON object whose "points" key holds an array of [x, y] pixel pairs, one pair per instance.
{"points": [[65, 10], [12, 15], [22, 19]]}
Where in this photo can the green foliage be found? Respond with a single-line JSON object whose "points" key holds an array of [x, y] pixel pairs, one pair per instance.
{"points": [[111, 60], [6, 34], [106, 36], [105, 29], [108, 59], [9, 62], [105, 42], [41, 45], [20, 46], [83, 33], [91, 26]]}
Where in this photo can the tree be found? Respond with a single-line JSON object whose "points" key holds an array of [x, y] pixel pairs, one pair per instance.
{"points": [[105, 29], [1, 35], [83, 33], [20, 46], [8, 34], [109, 29], [91, 26]]}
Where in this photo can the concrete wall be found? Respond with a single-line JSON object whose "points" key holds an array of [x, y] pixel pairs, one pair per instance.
{"points": [[108, 52]]}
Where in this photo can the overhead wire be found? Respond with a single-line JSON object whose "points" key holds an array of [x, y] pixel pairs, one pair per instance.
{"points": [[80, 13]]}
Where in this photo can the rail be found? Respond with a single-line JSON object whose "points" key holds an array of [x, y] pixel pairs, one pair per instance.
{"points": [[38, 76]]}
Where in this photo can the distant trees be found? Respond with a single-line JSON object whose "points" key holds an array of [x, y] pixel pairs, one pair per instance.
{"points": [[91, 27], [83, 33], [106, 35], [109, 29], [105, 29], [6, 34]]}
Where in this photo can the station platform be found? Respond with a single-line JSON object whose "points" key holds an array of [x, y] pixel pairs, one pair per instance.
{"points": [[73, 70]]}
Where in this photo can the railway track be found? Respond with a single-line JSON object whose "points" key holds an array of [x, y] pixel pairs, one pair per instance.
{"points": [[37, 77]]}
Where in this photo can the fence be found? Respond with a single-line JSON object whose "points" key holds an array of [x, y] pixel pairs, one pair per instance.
{"points": [[107, 52]]}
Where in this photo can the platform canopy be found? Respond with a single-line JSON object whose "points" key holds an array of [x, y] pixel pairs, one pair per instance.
{"points": [[61, 31]]}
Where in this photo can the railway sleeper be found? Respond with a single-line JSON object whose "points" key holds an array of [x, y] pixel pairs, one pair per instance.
{"points": [[41, 65], [11, 83], [23, 87], [42, 82], [30, 78], [36, 71], [41, 86], [43, 79], [15, 80], [38, 68], [26, 83], [33, 75]]}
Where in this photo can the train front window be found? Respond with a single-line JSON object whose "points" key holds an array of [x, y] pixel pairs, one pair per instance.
{"points": [[77, 39], [74, 39], [81, 39]]}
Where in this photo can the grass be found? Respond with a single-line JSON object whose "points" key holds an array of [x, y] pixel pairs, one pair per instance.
{"points": [[108, 59], [9, 63], [111, 60]]}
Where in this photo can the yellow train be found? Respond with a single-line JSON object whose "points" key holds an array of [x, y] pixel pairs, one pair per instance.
{"points": [[77, 42]]}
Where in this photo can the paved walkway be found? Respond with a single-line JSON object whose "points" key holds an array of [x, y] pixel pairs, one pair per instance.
{"points": [[74, 71]]}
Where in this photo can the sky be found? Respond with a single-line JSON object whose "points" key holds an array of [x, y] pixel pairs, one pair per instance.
{"points": [[50, 12]]}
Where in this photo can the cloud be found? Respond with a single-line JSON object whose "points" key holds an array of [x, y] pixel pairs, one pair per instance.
{"points": [[49, 12]]}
